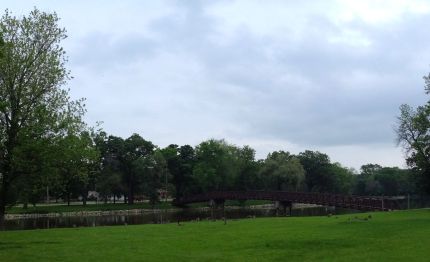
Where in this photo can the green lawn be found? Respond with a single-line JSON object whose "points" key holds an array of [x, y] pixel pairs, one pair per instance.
{"points": [[394, 236], [43, 209]]}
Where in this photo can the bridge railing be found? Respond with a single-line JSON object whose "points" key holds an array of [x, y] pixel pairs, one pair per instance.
{"points": [[345, 201]]}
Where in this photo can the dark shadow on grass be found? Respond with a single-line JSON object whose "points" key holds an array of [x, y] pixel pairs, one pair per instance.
{"points": [[310, 244], [18, 245], [10, 245], [42, 242]]}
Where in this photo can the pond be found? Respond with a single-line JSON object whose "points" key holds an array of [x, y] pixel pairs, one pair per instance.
{"points": [[162, 216]]}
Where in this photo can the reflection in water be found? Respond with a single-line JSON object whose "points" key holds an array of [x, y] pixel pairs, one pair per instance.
{"points": [[160, 217]]}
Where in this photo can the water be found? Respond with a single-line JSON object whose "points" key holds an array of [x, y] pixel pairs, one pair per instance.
{"points": [[158, 217]]}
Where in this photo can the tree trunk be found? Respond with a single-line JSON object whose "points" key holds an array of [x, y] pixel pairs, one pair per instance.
{"points": [[3, 195], [130, 194], [6, 178], [7, 170], [84, 199], [68, 200], [25, 205], [2, 214], [130, 198], [114, 199]]}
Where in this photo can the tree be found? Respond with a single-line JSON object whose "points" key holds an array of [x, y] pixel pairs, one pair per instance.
{"points": [[173, 162], [413, 133], [370, 169], [248, 170], [377, 180], [283, 171], [36, 164], [158, 178], [340, 179], [109, 182], [183, 180], [33, 102], [77, 162], [137, 152], [316, 165], [365, 182], [216, 165]]}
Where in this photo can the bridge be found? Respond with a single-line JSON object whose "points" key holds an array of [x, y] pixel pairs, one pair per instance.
{"points": [[285, 199]]}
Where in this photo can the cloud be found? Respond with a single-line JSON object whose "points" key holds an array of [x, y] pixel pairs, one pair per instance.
{"points": [[321, 75]]}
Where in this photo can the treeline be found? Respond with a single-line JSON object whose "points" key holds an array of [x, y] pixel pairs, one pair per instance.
{"points": [[134, 167]]}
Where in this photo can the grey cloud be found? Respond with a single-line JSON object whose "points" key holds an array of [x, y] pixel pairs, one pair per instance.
{"points": [[305, 90], [101, 51], [323, 111]]}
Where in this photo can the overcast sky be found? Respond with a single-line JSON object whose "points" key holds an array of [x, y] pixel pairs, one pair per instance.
{"points": [[275, 75]]}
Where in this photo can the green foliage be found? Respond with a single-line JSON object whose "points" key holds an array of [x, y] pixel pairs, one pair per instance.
{"points": [[34, 107], [109, 182], [324, 176], [77, 159], [216, 168], [248, 177], [341, 179], [391, 181], [282, 171], [155, 175], [137, 161], [316, 165], [413, 133], [370, 169], [187, 183]]}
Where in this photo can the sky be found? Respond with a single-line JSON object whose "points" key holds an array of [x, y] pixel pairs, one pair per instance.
{"points": [[275, 75]]}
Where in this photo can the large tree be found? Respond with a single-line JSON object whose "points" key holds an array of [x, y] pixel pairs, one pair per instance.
{"points": [[413, 134], [248, 170], [216, 165], [109, 181], [316, 165], [184, 181], [33, 102], [136, 160], [283, 171], [77, 163]]}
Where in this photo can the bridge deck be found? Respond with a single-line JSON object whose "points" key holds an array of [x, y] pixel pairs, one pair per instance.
{"points": [[344, 201]]}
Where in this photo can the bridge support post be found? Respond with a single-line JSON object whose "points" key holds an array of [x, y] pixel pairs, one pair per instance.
{"points": [[215, 204], [283, 205], [212, 206]]}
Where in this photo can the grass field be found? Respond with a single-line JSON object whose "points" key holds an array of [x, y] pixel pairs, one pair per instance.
{"points": [[393, 236], [44, 209]]}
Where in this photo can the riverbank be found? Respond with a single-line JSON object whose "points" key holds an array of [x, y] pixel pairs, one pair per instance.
{"points": [[130, 212], [378, 236], [94, 209]]}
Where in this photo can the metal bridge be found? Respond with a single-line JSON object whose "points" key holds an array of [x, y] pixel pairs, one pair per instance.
{"points": [[366, 203]]}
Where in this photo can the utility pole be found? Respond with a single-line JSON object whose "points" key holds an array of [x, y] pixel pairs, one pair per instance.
{"points": [[47, 194], [409, 202], [165, 195], [165, 188]]}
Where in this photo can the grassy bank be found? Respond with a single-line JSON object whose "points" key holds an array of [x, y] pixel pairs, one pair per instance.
{"points": [[44, 209], [394, 236]]}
